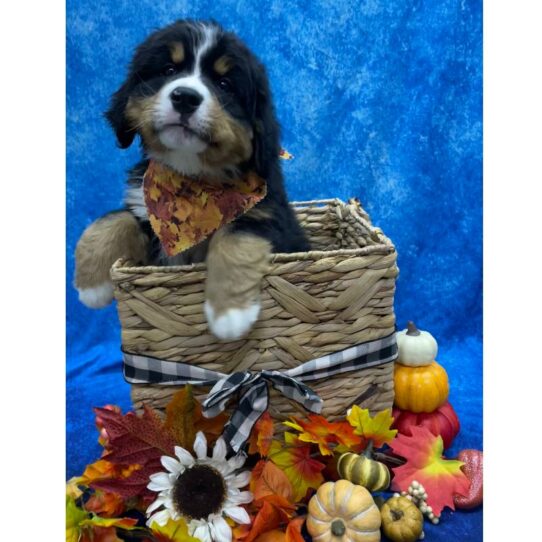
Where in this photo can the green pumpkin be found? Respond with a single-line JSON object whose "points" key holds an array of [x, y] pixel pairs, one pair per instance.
{"points": [[363, 471]]}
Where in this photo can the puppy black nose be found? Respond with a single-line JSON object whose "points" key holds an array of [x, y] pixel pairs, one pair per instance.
{"points": [[185, 100]]}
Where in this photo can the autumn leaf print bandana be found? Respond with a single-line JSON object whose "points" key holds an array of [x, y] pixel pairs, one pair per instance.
{"points": [[184, 211]]}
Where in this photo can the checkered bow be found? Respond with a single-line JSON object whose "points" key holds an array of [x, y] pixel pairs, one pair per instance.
{"points": [[253, 387]]}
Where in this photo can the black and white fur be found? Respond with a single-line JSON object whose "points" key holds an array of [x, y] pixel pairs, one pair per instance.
{"points": [[233, 129]]}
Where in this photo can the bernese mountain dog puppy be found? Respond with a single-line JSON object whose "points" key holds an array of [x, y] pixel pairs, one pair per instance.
{"points": [[200, 102]]}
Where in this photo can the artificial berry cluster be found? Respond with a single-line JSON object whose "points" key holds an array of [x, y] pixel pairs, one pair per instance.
{"points": [[417, 494]]}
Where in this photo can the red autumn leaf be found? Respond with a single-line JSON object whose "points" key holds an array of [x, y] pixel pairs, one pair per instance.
{"points": [[293, 531], [133, 439], [269, 517], [261, 436], [273, 486], [328, 435], [441, 477], [294, 458]]}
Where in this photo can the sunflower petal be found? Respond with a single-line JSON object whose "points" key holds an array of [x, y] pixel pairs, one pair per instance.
{"points": [[161, 518], [236, 462], [238, 514], [200, 445], [155, 505], [221, 530], [241, 480], [159, 482], [239, 497], [185, 457], [220, 450], [202, 532], [172, 465]]}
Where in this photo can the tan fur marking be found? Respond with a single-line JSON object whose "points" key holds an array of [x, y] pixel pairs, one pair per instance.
{"points": [[176, 50], [139, 112], [223, 65], [236, 264], [114, 236], [232, 141]]}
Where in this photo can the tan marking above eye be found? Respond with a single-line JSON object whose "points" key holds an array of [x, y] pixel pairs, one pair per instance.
{"points": [[222, 65], [176, 50]]}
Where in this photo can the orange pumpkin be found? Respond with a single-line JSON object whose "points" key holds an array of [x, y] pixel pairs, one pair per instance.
{"points": [[420, 389]]}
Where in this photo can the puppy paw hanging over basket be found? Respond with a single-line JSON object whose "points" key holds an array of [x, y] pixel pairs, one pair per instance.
{"points": [[324, 340]]}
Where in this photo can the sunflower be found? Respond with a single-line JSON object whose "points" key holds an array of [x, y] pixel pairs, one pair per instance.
{"points": [[201, 490]]}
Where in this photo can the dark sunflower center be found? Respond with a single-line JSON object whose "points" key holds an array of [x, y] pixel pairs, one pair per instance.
{"points": [[199, 491]]}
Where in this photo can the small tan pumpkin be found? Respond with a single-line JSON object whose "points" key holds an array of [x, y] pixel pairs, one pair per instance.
{"points": [[402, 520], [364, 471], [416, 347], [343, 512]]}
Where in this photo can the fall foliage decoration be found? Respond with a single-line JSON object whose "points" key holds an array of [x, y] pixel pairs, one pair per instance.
{"points": [[343, 512], [402, 521], [157, 473], [184, 211], [441, 477], [474, 470], [416, 348], [420, 389], [443, 421]]}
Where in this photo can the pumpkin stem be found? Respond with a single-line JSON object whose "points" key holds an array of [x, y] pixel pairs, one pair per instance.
{"points": [[412, 330], [368, 452], [396, 515], [337, 527]]}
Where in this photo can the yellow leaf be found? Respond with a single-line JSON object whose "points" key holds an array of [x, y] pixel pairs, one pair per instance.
{"points": [[172, 531], [376, 429], [72, 487]]}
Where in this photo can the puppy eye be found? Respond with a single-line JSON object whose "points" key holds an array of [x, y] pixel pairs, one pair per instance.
{"points": [[169, 70], [225, 84]]}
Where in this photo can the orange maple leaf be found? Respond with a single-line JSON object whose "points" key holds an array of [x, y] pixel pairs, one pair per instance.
{"points": [[293, 531], [105, 470], [272, 485], [269, 517], [106, 504], [262, 435], [328, 435], [440, 477], [294, 458]]}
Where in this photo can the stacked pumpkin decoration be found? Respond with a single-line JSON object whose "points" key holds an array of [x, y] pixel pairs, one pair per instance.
{"points": [[421, 386]]}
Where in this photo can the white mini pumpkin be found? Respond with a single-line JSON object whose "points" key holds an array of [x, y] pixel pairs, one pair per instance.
{"points": [[416, 347]]}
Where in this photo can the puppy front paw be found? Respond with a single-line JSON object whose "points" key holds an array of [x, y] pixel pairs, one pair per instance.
{"points": [[231, 324], [97, 297]]}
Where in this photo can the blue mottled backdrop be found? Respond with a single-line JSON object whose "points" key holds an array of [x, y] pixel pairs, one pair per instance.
{"points": [[377, 99]]}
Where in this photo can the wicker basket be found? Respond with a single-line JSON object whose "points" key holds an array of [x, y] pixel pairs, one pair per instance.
{"points": [[338, 295]]}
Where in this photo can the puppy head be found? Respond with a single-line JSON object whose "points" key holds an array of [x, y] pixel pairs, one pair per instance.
{"points": [[200, 101]]}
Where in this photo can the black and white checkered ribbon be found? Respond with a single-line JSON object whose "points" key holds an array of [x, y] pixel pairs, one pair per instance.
{"points": [[253, 387]]}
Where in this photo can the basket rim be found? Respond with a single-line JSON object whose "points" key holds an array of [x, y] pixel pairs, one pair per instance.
{"points": [[385, 247]]}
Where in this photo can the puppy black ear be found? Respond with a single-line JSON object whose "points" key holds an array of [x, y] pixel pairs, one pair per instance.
{"points": [[266, 144], [116, 115]]}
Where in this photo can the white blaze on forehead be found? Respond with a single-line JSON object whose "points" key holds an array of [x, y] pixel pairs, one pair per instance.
{"points": [[208, 39], [183, 152], [164, 110]]}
